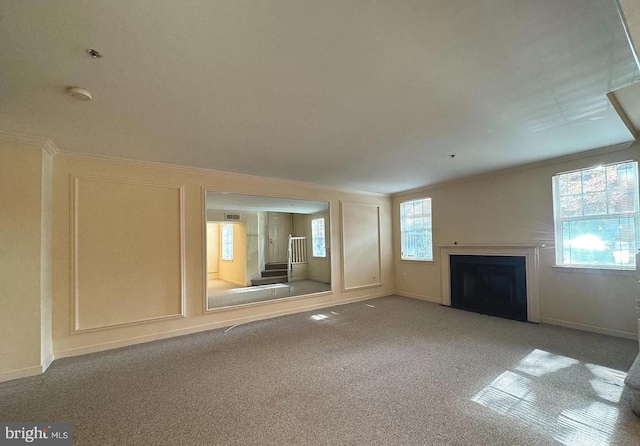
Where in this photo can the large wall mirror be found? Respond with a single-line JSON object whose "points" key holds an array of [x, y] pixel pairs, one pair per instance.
{"points": [[264, 248]]}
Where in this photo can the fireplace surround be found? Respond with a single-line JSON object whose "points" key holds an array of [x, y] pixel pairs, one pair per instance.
{"points": [[530, 254]]}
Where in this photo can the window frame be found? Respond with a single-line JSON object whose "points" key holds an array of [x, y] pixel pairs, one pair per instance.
{"points": [[225, 243], [559, 220], [428, 231], [324, 238]]}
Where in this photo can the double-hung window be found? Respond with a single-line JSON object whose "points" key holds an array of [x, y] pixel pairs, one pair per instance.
{"points": [[227, 242], [415, 230], [596, 216]]}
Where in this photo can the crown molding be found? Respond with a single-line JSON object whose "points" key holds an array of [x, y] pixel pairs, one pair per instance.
{"points": [[30, 141], [291, 183], [23, 140], [519, 168], [48, 145]]}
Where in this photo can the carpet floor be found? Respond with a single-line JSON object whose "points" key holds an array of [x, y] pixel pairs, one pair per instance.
{"points": [[388, 371]]}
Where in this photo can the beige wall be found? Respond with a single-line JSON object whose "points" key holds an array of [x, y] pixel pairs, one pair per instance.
{"points": [[319, 268], [235, 271], [213, 249], [252, 240], [116, 224], [516, 208], [193, 183], [361, 231], [25, 340]]}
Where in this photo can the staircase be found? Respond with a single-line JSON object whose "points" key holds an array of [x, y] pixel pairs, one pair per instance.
{"points": [[272, 273]]}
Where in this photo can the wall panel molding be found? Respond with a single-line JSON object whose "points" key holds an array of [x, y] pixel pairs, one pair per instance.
{"points": [[83, 296], [360, 235]]}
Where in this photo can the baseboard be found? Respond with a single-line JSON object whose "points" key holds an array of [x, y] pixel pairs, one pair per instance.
{"points": [[205, 327], [22, 373], [46, 363], [240, 284], [591, 328], [435, 300]]}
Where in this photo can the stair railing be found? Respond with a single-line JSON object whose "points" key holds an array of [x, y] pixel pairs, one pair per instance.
{"points": [[297, 253]]}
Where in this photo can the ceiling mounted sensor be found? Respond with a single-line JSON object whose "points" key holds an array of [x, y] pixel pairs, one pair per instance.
{"points": [[80, 93], [94, 53]]}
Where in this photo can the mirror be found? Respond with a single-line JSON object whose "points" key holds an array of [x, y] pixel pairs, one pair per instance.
{"points": [[265, 248]]}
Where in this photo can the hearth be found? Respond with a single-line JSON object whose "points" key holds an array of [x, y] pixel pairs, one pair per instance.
{"points": [[490, 284]]}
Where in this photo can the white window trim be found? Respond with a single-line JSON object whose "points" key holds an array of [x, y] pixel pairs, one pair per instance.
{"points": [[430, 214], [559, 241]]}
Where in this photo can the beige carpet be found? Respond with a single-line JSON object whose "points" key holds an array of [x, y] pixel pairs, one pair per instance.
{"points": [[388, 371]]}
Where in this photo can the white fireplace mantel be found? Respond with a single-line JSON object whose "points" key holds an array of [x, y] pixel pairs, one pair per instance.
{"points": [[529, 252]]}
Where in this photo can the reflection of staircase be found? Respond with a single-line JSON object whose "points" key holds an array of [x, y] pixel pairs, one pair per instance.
{"points": [[272, 273]]}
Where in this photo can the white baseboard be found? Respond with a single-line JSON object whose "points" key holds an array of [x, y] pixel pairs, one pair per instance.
{"points": [[21, 373], [204, 327], [591, 328], [46, 363], [435, 300]]}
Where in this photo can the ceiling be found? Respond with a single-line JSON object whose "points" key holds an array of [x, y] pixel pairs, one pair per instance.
{"points": [[365, 95], [223, 201]]}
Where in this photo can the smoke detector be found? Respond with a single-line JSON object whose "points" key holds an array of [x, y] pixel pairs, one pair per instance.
{"points": [[80, 93]]}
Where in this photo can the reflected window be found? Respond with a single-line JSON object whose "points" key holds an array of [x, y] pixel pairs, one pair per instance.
{"points": [[317, 237], [227, 242]]}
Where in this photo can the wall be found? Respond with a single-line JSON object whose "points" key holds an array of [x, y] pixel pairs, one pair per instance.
{"points": [[515, 207], [193, 182], [263, 239], [319, 268], [235, 271], [252, 240], [25, 292], [213, 249]]}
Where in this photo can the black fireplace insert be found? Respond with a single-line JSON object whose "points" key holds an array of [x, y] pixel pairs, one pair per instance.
{"points": [[493, 285]]}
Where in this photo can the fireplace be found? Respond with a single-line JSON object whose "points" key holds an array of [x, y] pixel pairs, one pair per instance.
{"points": [[504, 288], [493, 285]]}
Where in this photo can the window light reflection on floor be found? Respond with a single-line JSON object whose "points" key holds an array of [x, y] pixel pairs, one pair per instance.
{"points": [[541, 392]]}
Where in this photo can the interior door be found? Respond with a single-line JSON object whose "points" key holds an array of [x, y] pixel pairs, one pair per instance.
{"points": [[279, 230]]}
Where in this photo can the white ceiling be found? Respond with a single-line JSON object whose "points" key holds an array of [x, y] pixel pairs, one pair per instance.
{"points": [[367, 95], [223, 201]]}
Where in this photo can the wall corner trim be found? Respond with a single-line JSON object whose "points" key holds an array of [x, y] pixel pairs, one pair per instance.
{"points": [[46, 363]]}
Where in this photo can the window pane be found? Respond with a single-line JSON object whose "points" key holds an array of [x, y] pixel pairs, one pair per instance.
{"points": [[593, 180], [571, 206], [318, 238], [570, 183], [594, 203], [227, 242]]}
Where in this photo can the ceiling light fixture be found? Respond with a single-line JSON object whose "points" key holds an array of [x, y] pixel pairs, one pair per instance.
{"points": [[80, 93]]}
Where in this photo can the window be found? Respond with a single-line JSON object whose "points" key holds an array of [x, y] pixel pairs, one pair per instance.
{"points": [[317, 237], [227, 242], [415, 230], [596, 216]]}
